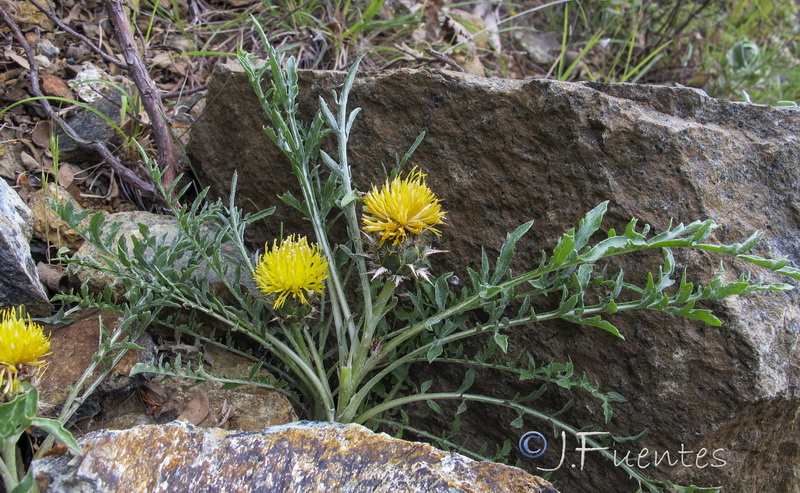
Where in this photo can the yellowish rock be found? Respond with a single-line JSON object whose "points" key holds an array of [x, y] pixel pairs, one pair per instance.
{"points": [[47, 225], [302, 457]]}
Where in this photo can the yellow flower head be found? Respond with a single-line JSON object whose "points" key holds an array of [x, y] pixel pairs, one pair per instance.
{"points": [[402, 207], [293, 268], [22, 344]]}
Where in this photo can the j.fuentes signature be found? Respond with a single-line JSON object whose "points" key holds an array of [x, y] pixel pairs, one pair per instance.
{"points": [[533, 444]]}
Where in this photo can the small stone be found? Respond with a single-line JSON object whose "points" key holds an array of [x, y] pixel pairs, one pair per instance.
{"points": [[27, 13], [89, 125], [54, 86], [11, 161], [89, 91], [43, 61], [47, 48]]}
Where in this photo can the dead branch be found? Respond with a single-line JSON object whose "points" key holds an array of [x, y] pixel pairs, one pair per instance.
{"points": [[165, 144]]}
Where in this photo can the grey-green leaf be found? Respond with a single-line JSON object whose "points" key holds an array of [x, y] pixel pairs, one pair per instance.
{"points": [[507, 251]]}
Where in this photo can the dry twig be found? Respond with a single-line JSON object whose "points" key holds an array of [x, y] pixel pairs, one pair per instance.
{"points": [[167, 151]]}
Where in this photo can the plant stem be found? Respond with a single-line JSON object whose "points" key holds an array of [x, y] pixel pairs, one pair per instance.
{"points": [[317, 385]]}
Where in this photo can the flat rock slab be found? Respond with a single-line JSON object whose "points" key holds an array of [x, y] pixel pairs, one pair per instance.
{"points": [[303, 456]]}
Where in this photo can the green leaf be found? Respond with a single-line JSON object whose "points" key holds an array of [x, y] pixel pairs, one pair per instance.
{"points": [[289, 199], [15, 416], [566, 306], [565, 246], [351, 119], [328, 115], [347, 199], [434, 406], [402, 162], [685, 290], [96, 223], [435, 350], [590, 224], [126, 345], [350, 78], [469, 379], [143, 368], [689, 312], [607, 247], [489, 292], [507, 251], [693, 488], [501, 340], [616, 397], [631, 438], [442, 291], [55, 428], [595, 321], [331, 163], [426, 385], [533, 395], [484, 266], [26, 485], [769, 263], [781, 266], [583, 276]]}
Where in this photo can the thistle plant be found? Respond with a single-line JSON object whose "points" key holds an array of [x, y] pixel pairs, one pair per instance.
{"points": [[341, 326]]}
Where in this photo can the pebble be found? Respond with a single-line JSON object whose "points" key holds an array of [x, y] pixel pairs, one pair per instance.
{"points": [[47, 48]]}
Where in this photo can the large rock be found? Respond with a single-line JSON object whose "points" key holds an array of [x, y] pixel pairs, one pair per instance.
{"points": [[19, 279], [304, 456], [501, 152]]}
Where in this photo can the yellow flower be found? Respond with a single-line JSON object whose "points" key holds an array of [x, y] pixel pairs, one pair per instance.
{"points": [[293, 268], [22, 345], [402, 207]]}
